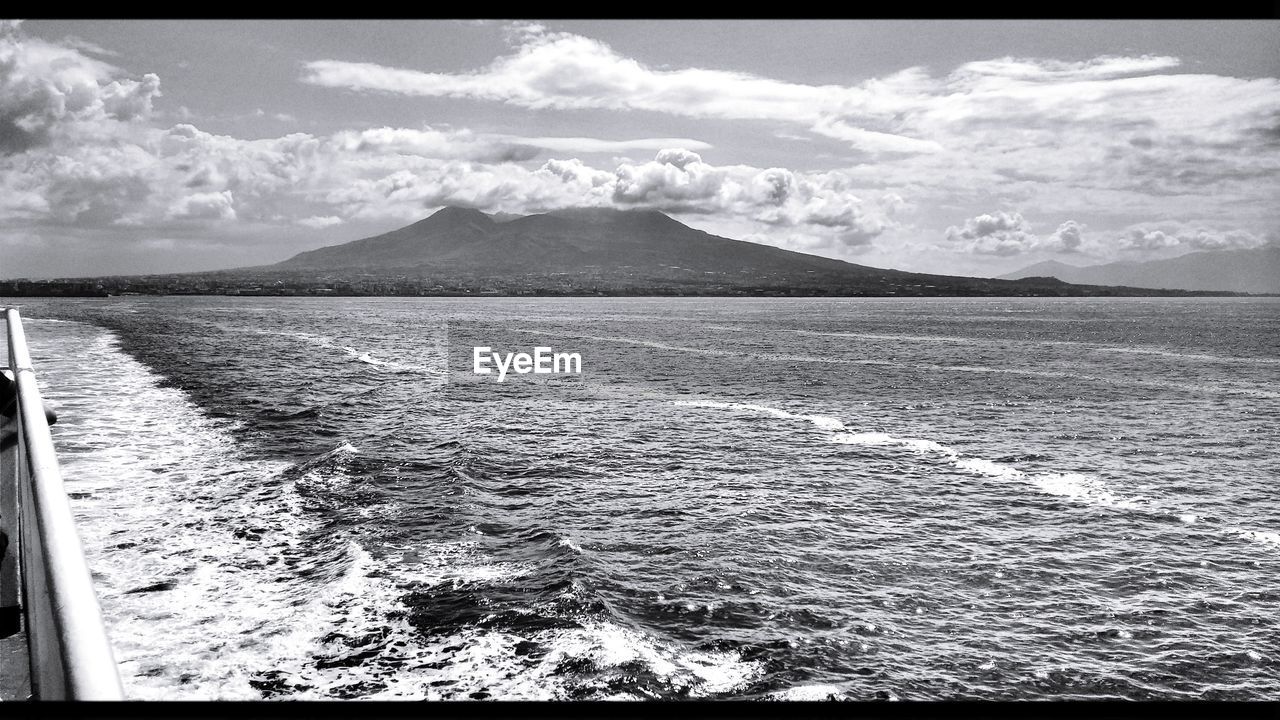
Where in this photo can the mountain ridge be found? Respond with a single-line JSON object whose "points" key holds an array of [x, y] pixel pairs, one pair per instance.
{"points": [[1255, 270], [460, 251], [639, 239]]}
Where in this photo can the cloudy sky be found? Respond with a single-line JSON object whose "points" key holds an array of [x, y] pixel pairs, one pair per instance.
{"points": [[966, 147]]}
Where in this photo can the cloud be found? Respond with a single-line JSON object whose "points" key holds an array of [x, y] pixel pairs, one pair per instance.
{"points": [[84, 146], [464, 144], [1139, 239], [872, 141], [564, 71], [1118, 136], [596, 145], [204, 206], [1005, 234], [318, 222], [676, 178], [429, 142], [998, 233], [1166, 236], [85, 46], [1047, 70], [822, 204], [1067, 238], [911, 112], [47, 88], [1008, 233]]}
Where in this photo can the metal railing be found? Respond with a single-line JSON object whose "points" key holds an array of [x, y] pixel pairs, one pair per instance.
{"points": [[70, 654]]}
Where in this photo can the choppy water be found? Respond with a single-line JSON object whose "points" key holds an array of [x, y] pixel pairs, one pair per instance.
{"points": [[915, 499]]}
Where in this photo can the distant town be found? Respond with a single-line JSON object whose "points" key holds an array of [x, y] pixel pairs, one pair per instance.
{"points": [[602, 282]]}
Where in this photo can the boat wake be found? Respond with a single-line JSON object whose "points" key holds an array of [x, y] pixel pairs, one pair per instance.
{"points": [[1077, 487]]}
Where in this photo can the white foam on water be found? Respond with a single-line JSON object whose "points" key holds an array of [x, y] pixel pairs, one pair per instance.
{"points": [[825, 423], [411, 666], [1188, 356], [822, 422], [609, 645], [1086, 488], [990, 468], [168, 498], [778, 357], [1075, 486], [865, 438], [1266, 538], [352, 353]]}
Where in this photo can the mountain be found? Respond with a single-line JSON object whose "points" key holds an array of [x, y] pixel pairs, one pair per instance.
{"points": [[602, 251], [574, 252], [1253, 271], [641, 242]]}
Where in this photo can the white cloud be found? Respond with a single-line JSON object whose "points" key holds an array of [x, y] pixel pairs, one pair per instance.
{"points": [[997, 233], [1032, 108], [1008, 233], [481, 147], [565, 71], [319, 222], [204, 206], [83, 45], [871, 141], [1040, 70], [596, 145], [675, 178], [46, 87], [1067, 238], [429, 142], [1166, 236], [82, 146]]}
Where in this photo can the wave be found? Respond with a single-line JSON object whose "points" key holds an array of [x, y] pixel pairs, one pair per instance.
{"points": [[174, 503], [379, 654], [1264, 537], [809, 693], [249, 594], [353, 354], [1078, 487], [822, 422], [1082, 488], [1189, 356], [239, 573], [931, 367]]}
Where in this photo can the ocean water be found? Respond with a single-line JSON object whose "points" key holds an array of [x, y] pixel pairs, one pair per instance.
{"points": [[775, 499]]}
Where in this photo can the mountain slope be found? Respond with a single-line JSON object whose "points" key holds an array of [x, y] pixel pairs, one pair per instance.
{"points": [[1256, 271], [643, 241], [607, 251]]}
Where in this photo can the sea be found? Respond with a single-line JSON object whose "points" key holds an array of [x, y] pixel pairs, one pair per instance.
{"points": [[736, 498]]}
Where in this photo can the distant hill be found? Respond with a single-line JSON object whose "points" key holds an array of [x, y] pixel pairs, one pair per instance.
{"points": [[621, 251], [640, 241], [576, 252], [1253, 271]]}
